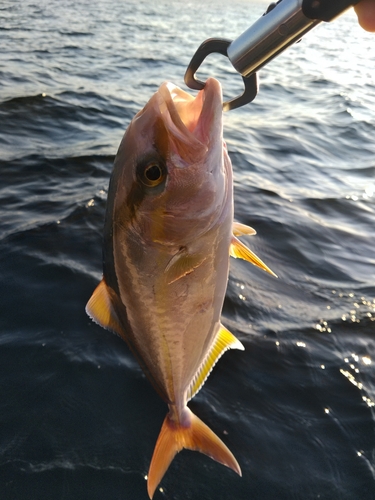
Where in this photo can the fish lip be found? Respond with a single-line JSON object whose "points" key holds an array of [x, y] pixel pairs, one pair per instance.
{"points": [[195, 120], [210, 118]]}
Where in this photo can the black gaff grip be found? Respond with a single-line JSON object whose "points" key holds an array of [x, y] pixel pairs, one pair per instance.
{"points": [[325, 10]]}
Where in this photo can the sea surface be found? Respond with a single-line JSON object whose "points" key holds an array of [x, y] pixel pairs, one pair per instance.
{"points": [[78, 419]]}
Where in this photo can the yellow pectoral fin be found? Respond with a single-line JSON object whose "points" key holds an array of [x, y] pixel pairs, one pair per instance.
{"points": [[100, 309], [224, 340], [181, 264], [240, 251], [239, 229]]}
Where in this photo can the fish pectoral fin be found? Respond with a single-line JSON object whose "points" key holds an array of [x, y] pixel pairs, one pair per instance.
{"points": [[239, 229], [224, 340], [101, 310], [181, 264], [239, 250], [193, 435]]}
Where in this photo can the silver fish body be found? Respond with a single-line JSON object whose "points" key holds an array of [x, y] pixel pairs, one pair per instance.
{"points": [[167, 241]]}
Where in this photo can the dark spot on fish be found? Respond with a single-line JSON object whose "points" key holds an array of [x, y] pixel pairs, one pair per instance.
{"points": [[161, 138], [133, 201]]}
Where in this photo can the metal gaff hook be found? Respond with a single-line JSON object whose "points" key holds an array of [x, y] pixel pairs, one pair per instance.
{"points": [[220, 46]]}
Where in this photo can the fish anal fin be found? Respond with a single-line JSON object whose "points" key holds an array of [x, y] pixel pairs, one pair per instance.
{"points": [[101, 310], [193, 434], [182, 264], [241, 229], [239, 250], [224, 340]]}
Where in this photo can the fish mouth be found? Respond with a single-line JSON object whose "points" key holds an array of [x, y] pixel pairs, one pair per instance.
{"points": [[193, 123]]}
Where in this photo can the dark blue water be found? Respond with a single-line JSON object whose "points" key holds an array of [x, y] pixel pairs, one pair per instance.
{"points": [[78, 419]]}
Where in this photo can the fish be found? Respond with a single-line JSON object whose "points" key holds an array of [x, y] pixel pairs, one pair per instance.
{"points": [[168, 235]]}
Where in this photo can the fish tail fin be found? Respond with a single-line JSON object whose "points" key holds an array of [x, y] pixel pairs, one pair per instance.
{"points": [[192, 435]]}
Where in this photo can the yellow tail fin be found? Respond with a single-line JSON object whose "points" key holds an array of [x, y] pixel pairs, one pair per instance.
{"points": [[193, 435]]}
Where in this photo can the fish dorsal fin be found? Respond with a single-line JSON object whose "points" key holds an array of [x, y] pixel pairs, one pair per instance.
{"points": [[239, 250], [101, 310], [181, 264], [224, 340], [241, 229]]}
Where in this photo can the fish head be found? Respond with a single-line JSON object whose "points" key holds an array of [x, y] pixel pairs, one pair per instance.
{"points": [[172, 172]]}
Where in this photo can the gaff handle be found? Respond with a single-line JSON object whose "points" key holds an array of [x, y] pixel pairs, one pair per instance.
{"points": [[325, 10], [284, 23]]}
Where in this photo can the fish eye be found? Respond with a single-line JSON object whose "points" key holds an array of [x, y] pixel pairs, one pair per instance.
{"points": [[153, 174]]}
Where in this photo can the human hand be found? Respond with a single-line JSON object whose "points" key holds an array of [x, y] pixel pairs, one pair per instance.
{"points": [[365, 11]]}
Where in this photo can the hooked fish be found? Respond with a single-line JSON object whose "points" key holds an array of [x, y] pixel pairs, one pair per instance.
{"points": [[168, 235]]}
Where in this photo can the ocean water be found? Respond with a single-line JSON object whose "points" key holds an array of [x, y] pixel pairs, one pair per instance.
{"points": [[78, 419]]}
